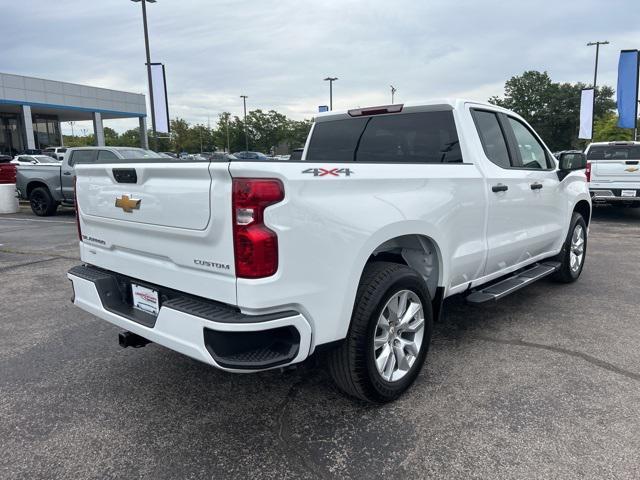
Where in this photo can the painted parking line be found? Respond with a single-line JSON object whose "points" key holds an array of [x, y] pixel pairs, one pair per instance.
{"points": [[36, 220]]}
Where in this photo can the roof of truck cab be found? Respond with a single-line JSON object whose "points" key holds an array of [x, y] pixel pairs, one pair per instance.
{"points": [[422, 106]]}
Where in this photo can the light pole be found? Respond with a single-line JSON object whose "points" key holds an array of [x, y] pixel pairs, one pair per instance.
{"points": [[393, 92], [246, 135], [146, 46], [595, 79], [331, 80]]}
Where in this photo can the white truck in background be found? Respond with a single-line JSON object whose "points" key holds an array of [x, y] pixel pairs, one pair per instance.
{"points": [[349, 251], [613, 172]]}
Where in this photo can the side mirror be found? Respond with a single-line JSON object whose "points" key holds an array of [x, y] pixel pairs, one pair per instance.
{"points": [[570, 161], [33, 162]]}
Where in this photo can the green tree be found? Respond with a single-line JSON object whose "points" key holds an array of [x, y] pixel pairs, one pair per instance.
{"points": [[606, 129], [111, 137], [552, 109]]}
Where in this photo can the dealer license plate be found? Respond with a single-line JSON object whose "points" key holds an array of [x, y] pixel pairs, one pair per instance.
{"points": [[145, 299], [628, 193]]}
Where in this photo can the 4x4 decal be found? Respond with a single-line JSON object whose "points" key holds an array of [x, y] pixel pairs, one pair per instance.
{"points": [[331, 172]]}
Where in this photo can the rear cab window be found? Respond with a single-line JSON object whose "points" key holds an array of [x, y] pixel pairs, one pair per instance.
{"points": [[106, 156], [614, 152], [420, 137], [82, 156]]}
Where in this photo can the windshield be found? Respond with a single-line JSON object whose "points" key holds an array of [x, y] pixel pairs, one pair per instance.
{"points": [[138, 153], [614, 152]]}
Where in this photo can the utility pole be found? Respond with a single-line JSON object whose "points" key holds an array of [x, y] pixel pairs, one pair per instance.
{"points": [[331, 80], [393, 92], [595, 80], [146, 46], [246, 135]]}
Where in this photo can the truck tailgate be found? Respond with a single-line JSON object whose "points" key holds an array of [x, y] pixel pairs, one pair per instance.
{"points": [[166, 223], [615, 171]]}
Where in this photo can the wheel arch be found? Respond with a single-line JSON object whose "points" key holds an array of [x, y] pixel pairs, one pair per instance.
{"points": [[32, 185], [417, 251], [583, 208]]}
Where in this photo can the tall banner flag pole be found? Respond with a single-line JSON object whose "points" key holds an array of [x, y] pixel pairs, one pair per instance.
{"points": [[627, 94], [586, 114]]}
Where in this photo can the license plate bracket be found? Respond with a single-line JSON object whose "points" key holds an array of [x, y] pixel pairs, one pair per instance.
{"points": [[145, 299]]}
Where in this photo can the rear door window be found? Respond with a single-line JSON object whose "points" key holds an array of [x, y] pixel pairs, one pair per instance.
{"points": [[492, 137]]}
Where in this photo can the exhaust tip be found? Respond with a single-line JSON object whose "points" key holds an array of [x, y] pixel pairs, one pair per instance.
{"points": [[129, 339]]}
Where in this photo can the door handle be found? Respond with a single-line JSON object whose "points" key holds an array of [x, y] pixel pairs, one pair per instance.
{"points": [[500, 188], [536, 186], [67, 173]]}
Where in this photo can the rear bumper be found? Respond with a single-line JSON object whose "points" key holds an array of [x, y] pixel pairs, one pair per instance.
{"points": [[213, 333], [606, 194]]}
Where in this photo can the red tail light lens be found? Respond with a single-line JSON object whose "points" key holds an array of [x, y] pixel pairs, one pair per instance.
{"points": [[588, 171], [75, 201], [255, 245]]}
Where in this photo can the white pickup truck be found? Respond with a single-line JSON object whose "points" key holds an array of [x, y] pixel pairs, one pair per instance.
{"points": [[348, 252], [613, 172]]}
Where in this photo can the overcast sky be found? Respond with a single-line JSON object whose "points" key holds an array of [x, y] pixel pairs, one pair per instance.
{"points": [[278, 51]]}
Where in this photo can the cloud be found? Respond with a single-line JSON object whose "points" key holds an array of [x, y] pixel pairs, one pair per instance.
{"points": [[278, 51]]}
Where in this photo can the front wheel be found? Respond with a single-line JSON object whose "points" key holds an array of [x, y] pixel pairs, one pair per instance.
{"points": [[573, 252], [389, 334]]}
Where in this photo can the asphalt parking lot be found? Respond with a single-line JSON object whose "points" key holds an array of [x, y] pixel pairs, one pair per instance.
{"points": [[545, 384]]}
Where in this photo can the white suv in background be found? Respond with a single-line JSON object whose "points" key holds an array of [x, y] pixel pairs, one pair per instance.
{"points": [[57, 151]]}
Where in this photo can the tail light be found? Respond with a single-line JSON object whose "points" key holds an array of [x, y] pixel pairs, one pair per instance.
{"points": [[588, 171], [75, 201], [255, 245]]}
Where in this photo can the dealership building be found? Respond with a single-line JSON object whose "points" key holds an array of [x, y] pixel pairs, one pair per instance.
{"points": [[31, 110]]}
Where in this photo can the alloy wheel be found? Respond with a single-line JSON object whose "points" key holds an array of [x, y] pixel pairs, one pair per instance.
{"points": [[576, 254], [399, 335]]}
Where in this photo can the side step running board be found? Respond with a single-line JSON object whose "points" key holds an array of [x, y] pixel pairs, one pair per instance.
{"points": [[513, 283]]}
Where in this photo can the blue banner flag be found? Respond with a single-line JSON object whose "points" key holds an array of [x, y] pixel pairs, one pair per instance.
{"points": [[628, 88]]}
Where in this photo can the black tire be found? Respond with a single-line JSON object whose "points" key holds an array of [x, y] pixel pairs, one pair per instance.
{"points": [[42, 203], [566, 274], [352, 365]]}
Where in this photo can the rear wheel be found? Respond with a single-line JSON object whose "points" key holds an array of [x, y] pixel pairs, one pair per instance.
{"points": [[42, 203], [574, 251], [389, 335]]}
